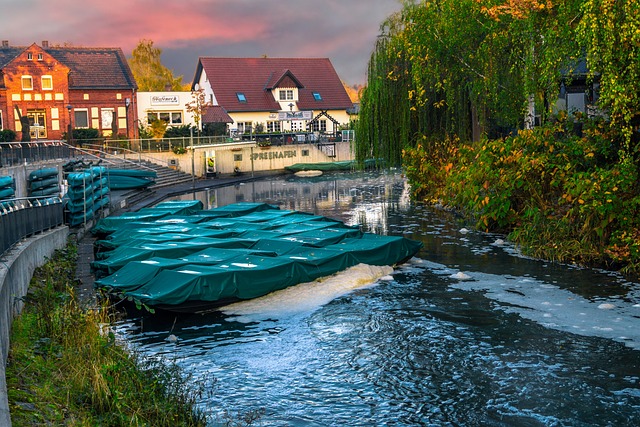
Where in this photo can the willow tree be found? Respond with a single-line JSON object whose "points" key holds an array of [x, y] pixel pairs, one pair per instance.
{"points": [[383, 124], [461, 68], [610, 35]]}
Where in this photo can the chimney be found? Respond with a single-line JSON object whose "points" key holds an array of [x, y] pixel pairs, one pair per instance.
{"points": [[45, 44], [5, 43]]}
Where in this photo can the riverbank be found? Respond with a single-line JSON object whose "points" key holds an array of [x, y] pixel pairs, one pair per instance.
{"points": [[558, 196], [65, 366]]}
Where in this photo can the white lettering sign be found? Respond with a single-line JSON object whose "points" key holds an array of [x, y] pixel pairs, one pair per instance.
{"points": [[294, 115], [165, 100]]}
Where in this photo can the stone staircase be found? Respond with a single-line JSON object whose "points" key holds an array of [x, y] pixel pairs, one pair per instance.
{"points": [[165, 177]]}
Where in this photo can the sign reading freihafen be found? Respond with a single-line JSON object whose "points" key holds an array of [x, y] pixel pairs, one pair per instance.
{"points": [[165, 100], [294, 115]]}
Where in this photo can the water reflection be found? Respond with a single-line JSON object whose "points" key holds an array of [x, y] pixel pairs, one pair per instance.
{"points": [[469, 333]]}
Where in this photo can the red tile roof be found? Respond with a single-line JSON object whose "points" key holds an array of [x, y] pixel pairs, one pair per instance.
{"points": [[216, 114], [95, 68], [255, 77], [91, 68]]}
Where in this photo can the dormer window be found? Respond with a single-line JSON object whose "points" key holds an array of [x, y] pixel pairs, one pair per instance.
{"points": [[285, 94], [27, 83], [241, 97], [317, 96]]}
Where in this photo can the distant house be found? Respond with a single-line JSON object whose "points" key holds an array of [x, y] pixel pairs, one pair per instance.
{"points": [[579, 93], [171, 107], [54, 87], [273, 94]]}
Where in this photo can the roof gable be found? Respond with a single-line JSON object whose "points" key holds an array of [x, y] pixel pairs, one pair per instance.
{"points": [[256, 77], [286, 79]]}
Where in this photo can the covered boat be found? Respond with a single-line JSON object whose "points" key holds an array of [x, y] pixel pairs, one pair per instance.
{"points": [[189, 260]]}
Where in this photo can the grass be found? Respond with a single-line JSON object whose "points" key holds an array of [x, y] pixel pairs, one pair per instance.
{"points": [[66, 368]]}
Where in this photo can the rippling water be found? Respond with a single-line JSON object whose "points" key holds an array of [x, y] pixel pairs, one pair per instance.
{"points": [[469, 333]]}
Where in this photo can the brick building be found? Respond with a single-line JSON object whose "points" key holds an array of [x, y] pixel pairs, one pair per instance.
{"points": [[58, 87]]}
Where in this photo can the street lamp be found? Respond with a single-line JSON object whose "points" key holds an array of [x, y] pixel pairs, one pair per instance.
{"points": [[127, 103], [70, 130]]}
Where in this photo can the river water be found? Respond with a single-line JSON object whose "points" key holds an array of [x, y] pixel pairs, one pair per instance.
{"points": [[469, 333]]}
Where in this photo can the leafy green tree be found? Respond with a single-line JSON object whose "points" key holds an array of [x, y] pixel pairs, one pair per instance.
{"points": [[464, 68], [610, 34], [149, 72]]}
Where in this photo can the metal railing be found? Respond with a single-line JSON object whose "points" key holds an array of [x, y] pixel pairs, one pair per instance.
{"points": [[20, 218], [17, 153]]}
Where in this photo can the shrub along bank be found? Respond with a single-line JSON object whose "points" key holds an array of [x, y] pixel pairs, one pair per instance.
{"points": [[564, 192], [65, 368]]}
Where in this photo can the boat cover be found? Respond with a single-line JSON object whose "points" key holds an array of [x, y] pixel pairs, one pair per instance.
{"points": [[243, 251]]}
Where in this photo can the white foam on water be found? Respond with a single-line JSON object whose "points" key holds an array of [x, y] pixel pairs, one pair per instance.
{"points": [[307, 297], [557, 308]]}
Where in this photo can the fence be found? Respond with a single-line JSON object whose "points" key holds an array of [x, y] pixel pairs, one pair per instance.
{"points": [[22, 218], [16, 153]]}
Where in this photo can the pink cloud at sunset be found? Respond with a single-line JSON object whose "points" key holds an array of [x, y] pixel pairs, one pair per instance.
{"points": [[342, 31]]}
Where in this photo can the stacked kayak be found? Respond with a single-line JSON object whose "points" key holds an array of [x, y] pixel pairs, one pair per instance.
{"points": [[125, 179], [44, 182], [195, 261], [7, 187], [88, 193]]}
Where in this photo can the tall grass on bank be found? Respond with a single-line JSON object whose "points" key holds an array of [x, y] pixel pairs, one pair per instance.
{"points": [[565, 192], [65, 367]]}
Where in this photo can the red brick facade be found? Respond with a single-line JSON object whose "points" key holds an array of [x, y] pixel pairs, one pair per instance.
{"points": [[57, 86]]}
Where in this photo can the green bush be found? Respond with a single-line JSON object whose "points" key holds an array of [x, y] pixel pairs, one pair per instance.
{"points": [[560, 196], [178, 132], [7, 135]]}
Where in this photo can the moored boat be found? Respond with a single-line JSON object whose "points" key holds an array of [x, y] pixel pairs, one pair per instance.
{"points": [[235, 252]]}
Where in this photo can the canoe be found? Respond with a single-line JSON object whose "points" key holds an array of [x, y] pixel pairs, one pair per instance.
{"points": [[242, 251], [140, 173], [121, 182], [45, 182], [345, 165], [43, 173], [46, 191], [80, 179], [7, 193], [6, 181]]}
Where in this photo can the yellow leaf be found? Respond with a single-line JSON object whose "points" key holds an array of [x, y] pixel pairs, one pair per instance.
{"points": [[581, 201]]}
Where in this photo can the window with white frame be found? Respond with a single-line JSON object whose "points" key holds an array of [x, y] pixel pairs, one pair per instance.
{"points": [[273, 127], [296, 125], [319, 125], [285, 94], [27, 83], [46, 82], [244, 127], [173, 118], [81, 118]]}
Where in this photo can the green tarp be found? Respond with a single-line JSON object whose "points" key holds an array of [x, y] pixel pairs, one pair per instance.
{"points": [[242, 251]]}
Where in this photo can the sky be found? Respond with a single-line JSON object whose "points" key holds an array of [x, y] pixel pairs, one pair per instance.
{"points": [[342, 30]]}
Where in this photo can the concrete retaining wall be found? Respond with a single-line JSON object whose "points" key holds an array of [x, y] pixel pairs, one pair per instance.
{"points": [[16, 269], [248, 157]]}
